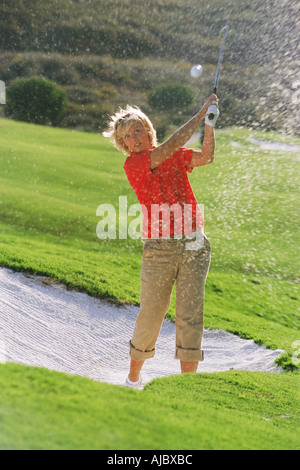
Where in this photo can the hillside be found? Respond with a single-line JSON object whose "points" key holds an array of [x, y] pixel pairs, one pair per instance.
{"points": [[86, 44], [160, 28]]}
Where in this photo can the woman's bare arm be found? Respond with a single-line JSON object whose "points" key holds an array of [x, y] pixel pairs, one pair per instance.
{"points": [[180, 137], [206, 155]]}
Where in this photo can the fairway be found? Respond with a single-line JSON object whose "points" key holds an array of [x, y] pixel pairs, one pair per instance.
{"points": [[52, 182]]}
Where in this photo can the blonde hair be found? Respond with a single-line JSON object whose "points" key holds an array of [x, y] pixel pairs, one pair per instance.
{"points": [[121, 122]]}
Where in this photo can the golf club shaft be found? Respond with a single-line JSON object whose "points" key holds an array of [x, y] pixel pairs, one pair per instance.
{"points": [[212, 110], [225, 29]]}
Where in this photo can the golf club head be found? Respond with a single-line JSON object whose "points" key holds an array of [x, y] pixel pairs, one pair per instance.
{"points": [[224, 29]]}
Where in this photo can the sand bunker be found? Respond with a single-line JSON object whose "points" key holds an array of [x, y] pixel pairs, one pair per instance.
{"points": [[48, 326]]}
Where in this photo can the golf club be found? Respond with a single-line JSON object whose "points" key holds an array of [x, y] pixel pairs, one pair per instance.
{"points": [[213, 110]]}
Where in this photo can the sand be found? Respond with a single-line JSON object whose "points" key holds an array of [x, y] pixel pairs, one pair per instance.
{"points": [[44, 324]]}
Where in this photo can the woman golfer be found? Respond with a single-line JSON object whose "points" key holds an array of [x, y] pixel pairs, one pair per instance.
{"points": [[172, 221]]}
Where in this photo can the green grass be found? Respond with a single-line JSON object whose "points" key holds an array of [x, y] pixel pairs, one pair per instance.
{"points": [[52, 182], [42, 409]]}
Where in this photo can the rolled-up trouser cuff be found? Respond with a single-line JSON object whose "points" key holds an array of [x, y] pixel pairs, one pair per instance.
{"points": [[189, 355], [138, 355]]}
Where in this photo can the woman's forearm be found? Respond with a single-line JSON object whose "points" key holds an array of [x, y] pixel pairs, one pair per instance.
{"points": [[206, 154], [180, 137], [209, 143]]}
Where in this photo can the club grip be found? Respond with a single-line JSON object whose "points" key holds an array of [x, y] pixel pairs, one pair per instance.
{"points": [[212, 115], [212, 112]]}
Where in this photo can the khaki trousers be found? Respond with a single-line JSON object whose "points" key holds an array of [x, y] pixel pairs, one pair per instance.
{"points": [[164, 262]]}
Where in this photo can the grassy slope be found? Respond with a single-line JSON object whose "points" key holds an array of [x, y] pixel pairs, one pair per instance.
{"points": [[51, 184], [41, 409], [53, 180]]}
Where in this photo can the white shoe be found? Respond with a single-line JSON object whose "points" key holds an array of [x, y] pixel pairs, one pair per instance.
{"points": [[136, 385]]}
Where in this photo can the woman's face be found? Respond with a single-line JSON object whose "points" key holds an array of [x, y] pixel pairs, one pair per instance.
{"points": [[137, 139]]}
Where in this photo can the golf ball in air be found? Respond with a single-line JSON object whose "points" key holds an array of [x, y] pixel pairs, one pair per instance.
{"points": [[196, 71]]}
